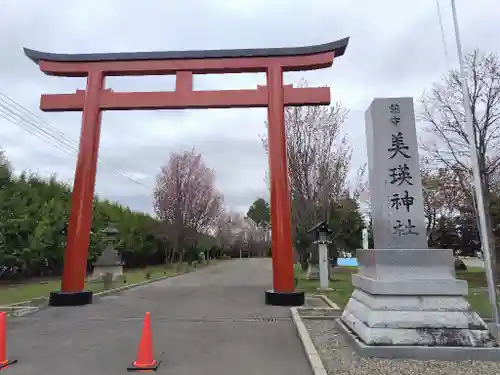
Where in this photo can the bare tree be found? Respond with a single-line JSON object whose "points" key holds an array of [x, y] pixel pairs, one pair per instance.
{"points": [[318, 163], [443, 193], [255, 238], [185, 199], [447, 143], [361, 185], [223, 232], [444, 115], [236, 233]]}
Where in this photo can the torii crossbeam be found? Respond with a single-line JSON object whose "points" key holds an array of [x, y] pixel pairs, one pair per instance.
{"points": [[184, 64]]}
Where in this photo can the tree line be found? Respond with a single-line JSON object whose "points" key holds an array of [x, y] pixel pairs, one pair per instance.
{"points": [[319, 160], [449, 204], [190, 209], [33, 223], [446, 166], [191, 215], [319, 164], [191, 219], [34, 214]]}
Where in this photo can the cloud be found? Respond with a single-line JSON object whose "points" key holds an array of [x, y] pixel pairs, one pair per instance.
{"points": [[395, 50]]}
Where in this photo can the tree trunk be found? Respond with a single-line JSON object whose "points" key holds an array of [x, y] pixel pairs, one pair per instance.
{"points": [[303, 258]]}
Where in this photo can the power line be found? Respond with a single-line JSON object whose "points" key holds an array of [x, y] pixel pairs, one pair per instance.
{"points": [[40, 124], [19, 115], [68, 150], [11, 102], [14, 120], [442, 31]]}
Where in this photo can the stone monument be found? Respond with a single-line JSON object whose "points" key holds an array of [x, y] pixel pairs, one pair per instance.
{"points": [[109, 261], [405, 293]]}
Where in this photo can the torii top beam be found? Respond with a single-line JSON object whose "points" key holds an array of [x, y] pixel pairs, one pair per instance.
{"points": [[184, 64], [197, 61]]}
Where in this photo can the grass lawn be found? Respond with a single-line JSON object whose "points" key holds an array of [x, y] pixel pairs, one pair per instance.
{"points": [[26, 291], [341, 283]]}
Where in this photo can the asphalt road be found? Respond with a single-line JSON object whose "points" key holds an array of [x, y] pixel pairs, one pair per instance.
{"points": [[210, 322]]}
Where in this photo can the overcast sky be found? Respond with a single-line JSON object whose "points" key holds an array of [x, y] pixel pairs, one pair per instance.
{"points": [[396, 49]]}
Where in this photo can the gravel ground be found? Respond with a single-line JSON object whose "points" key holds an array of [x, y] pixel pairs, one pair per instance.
{"points": [[339, 359]]}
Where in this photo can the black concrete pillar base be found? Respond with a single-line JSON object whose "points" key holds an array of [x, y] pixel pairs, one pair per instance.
{"points": [[8, 363], [295, 298], [71, 298]]}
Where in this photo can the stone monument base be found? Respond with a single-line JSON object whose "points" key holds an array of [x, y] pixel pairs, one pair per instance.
{"points": [[424, 353], [412, 298], [425, 320]]}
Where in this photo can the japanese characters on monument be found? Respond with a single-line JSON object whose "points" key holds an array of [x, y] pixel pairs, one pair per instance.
{"points": [[394, 175]]}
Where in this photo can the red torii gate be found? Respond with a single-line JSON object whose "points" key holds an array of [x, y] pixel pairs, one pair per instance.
{"points": [[183, 64]]}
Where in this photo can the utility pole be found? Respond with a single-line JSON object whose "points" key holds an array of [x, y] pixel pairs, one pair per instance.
{"points": [[478, 190]]}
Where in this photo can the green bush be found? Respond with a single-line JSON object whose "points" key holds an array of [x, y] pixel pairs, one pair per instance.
{"points": [[34, 214]]}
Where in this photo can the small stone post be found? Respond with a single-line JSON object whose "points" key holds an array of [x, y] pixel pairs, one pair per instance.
{"points": [[364, 236], [322, 231]]}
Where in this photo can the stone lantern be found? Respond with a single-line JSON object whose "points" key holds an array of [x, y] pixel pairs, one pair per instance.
{"points": [[109, 261], [112, 235], [321, 264]]}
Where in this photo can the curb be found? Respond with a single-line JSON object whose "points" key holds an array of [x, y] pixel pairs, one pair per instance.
{"points": [[19, 304], [329, 302], [19, 311], [25, 311], [309, 348], [130, 286], [145, 282], [28, 304]]}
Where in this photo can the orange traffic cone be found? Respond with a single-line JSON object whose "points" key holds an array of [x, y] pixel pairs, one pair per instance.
{"points": [[4, 362], [145, 359]]}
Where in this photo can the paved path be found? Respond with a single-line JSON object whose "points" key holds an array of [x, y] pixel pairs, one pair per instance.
{"points": [[203, 324]]}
